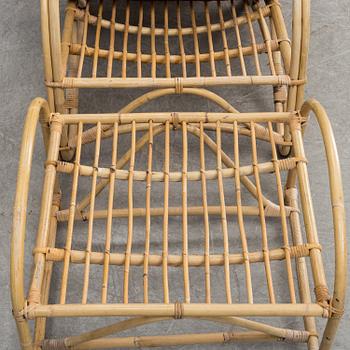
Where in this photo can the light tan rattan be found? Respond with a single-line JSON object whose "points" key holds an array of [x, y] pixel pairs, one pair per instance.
{"points": [[69, 135]]}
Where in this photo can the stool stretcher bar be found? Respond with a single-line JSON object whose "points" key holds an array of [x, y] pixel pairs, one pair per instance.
{"points": [[168, 310]]}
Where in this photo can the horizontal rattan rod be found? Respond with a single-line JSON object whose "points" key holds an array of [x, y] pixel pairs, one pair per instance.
{"points": [[133, 29], [294, 336], [177, 339], [189, 117], [173, 211], [75, 49], [115, 328], [291, 335], [90, 134], [97, 258], [158, 176], [127, 83], [172, 310], [245, 131]]}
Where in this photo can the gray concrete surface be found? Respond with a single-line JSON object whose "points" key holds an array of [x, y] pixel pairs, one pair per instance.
{"points": [[21, 76]]}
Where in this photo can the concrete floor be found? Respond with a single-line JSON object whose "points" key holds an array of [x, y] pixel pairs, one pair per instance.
{"points": [[21, 75]]}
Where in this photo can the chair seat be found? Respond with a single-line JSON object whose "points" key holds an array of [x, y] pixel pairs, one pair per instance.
{"points": [[201, 43]]}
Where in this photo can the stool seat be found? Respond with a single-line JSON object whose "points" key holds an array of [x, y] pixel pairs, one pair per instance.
{"points": [[193, 198]]}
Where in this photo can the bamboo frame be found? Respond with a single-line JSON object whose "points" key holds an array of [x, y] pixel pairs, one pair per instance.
{"points": [[258, 13], [66, 135], [48, 255]]}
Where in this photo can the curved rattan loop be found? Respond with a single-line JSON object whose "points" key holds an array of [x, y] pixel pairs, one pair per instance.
{"points": [[38, 109], [159, 31], [337, 200], [90, 134]]}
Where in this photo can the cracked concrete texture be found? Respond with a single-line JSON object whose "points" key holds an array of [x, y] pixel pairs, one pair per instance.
{"points": [[21, 73]]}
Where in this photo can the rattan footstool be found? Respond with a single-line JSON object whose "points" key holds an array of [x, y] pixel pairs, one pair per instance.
{"points": [[150, 217]]}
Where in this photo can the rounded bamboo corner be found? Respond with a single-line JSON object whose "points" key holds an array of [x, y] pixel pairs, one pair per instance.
{"points": [[337, 302], [38, 110]]}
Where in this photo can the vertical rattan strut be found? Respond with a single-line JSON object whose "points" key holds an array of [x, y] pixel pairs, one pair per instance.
{"points": [[156, 216]]}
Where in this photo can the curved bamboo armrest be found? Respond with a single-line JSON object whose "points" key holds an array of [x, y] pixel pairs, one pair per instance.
{"points": [[337, 200], [38, 110]]}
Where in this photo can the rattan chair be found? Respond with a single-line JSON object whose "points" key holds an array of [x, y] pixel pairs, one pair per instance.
{"points": [[120, 216]]}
